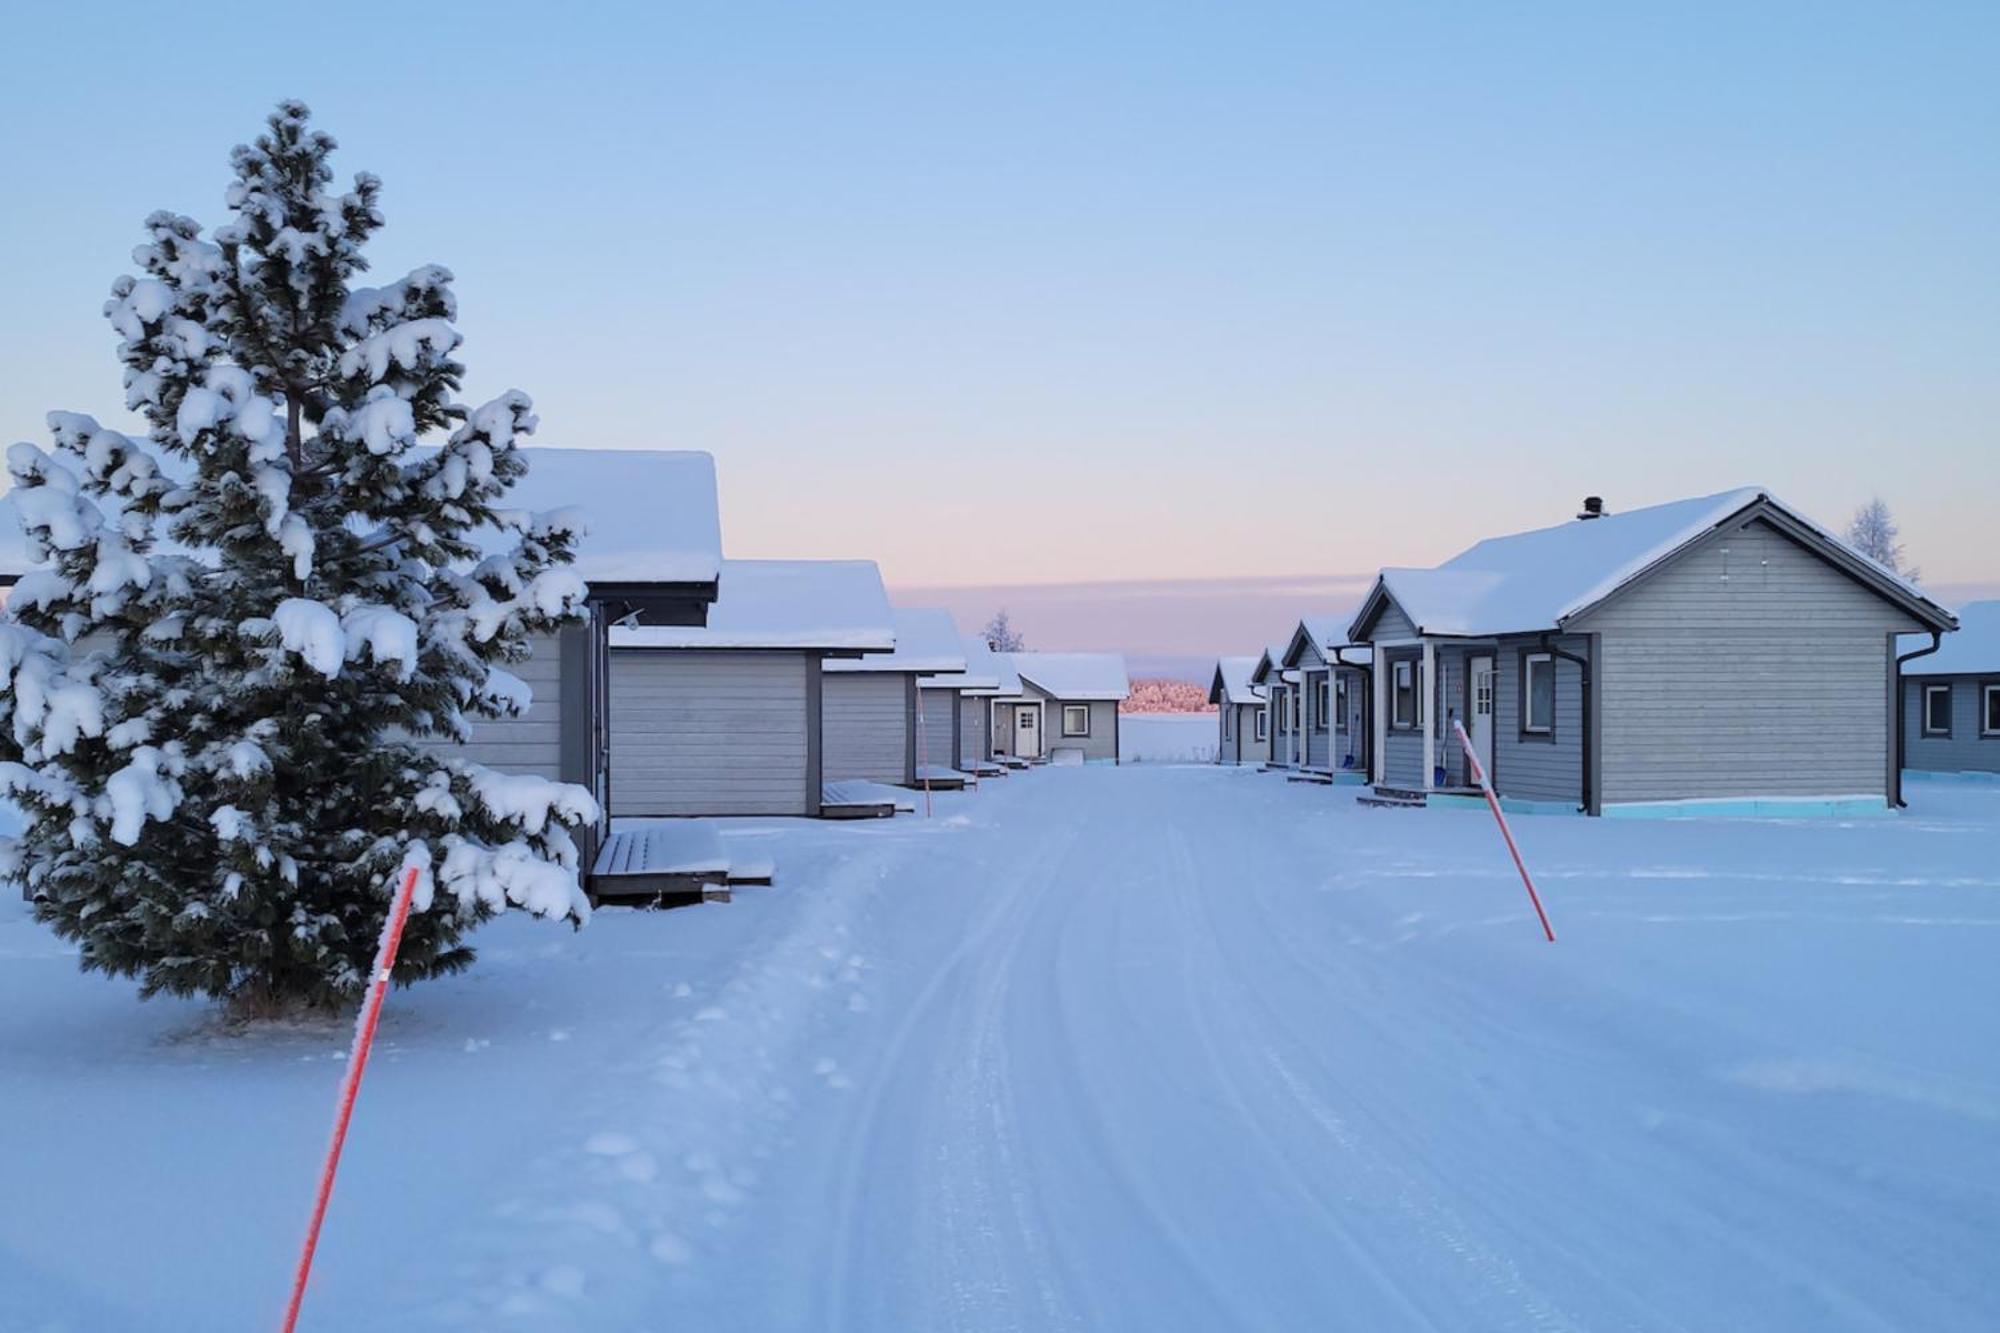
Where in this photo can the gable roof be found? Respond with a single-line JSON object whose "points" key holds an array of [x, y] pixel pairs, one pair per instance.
{"points": [[1538, 580], [1327, 635], [926, 640], [831, 605], [1973, 649], [1074, 675], [982, 673], [1232, 682], [650, 514]]}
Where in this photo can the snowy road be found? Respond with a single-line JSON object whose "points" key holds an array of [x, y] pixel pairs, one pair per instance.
{"points": [[1179, 1048]]}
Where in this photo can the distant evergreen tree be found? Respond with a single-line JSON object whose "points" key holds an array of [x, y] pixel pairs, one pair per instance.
{"points": [[1001, 636], [245, 614], [1874, 533]]}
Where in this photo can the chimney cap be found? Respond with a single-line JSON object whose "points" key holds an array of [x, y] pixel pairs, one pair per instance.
{"points": [[1593, 507]]}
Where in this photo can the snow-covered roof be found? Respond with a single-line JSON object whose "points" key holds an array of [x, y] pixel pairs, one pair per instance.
{"points": [[926, 641], [650, 513], [1537, 580], [1232, 682], [1006, 675], [1074, 675], [834, 605], [1267, 665], [1327, 634], [982, 674], [1973, 649]]}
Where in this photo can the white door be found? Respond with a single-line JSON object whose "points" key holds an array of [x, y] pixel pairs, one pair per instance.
{"points": [[1482, 711], [1027, 732]]}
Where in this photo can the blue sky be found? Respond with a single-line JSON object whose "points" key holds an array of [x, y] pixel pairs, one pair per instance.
{"points": [[1036, 294]]}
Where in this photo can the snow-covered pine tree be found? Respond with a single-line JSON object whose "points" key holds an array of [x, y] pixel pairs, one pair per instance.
{"points": [[245, 615]]}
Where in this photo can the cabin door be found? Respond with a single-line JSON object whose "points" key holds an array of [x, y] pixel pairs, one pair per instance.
{"points": [[1481, 671], [1027, 731]]}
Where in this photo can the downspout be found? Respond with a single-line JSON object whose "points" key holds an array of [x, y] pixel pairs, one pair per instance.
{"points": [[1367, 756], [1583, 666], [1902, 707]]}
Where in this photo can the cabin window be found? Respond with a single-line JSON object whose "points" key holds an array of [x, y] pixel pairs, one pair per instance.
{"points": [[1937, 710], [1340, 704], [1403, 700], [1076, 719], [1263, 723], [1538, 694], [1989, 695], [1322, 704], [1228, 716]]}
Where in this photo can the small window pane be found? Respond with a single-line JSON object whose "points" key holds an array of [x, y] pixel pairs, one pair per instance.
{"points": [[1404, 706], [1937, 709], [1993, 710], [1539, 693], [1076, 720]]}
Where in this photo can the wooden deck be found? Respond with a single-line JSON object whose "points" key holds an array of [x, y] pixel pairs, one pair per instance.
{"points": [[854, 799], [939, 778], [673, 863]]}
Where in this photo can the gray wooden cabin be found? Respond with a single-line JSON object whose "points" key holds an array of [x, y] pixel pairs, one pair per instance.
{"points": [[651, 555], [978, 685], [1951, 696], [1242, 736], [870, 705], [1720, 654], [1281, 704], [1065, 702], [1332, 696], [725, 718]]}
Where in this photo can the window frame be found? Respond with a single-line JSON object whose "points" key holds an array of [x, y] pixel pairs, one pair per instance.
{"points": [[1229, 722], [1343, 703], [1989, 693], [1530, 658], [1924, 692], [1402, 669], [1322, 702], [1069, 734], [1264, 723]]}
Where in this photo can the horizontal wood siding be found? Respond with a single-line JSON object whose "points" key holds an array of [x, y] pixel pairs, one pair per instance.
{"points": [[865, 726], [1318, 730], [709, 733], [1281, 736], [1538, 768], [1748, 667], [972, 711], [1101, 743], [1352, 742], [1403, 750], [937, 712], [1392, 625], [1965, 750], [532, 742]]}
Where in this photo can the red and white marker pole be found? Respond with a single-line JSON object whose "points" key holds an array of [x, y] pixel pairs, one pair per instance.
{"points": [[923, 754], [1493, 804], [357, 1060]]}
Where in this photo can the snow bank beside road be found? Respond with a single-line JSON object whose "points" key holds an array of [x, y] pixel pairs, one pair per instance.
{"points": [[1168, 738]]}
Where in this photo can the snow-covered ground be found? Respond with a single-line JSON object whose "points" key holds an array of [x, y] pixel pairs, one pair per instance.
{"points": [[1168, 738], [1131, 1048]]}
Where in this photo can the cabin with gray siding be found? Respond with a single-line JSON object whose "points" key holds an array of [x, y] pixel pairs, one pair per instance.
{"points": [[870, 705], [1332, 711], [1718, 654], [1063, 707], [727, 718], [1241, 735], [1951, 696], [1281, 707]]}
